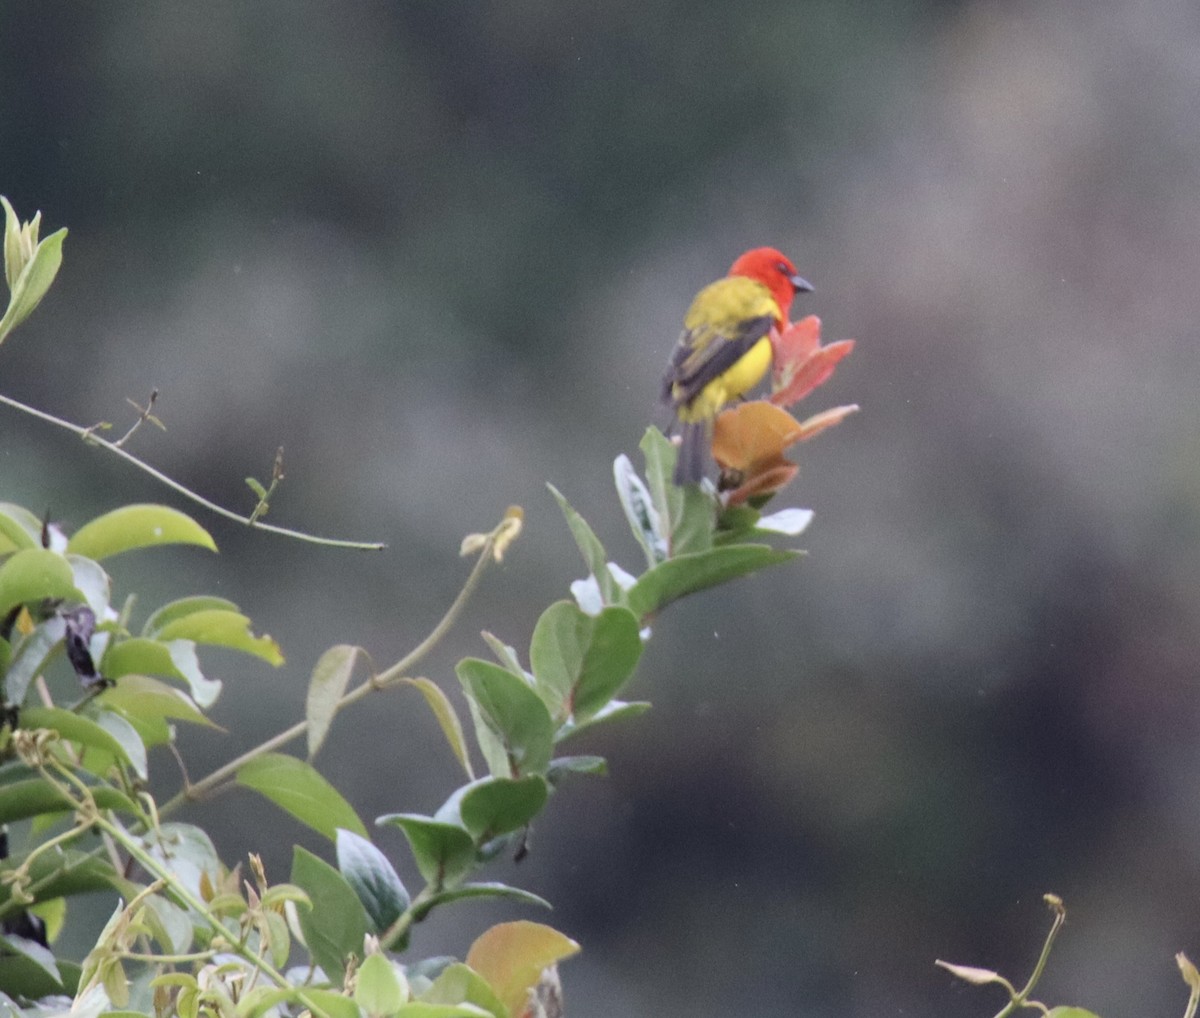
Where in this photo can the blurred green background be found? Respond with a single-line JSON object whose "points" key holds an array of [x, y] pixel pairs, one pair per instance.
{"points": [[440, 252]]}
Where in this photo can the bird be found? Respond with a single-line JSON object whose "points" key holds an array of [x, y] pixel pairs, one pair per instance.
{"points": [[725, 348]]}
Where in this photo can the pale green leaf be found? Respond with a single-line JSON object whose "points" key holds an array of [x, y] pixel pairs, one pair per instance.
{"points": [[137, 526], [301, 790], [33, 575], [330, 676], [219, 627], [447, 719], [177, 609]]}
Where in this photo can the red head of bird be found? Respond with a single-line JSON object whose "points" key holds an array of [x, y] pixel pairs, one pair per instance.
{"points": [[776, 272]]}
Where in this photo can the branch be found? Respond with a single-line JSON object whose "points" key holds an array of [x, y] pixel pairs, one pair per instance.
{"points": [[89, 435], [491, 549]]}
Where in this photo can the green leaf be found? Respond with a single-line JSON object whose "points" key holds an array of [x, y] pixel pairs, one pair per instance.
{"points": [[24, 976], [643, 518], [735, 523], [31, 656], [174, 660], [447, 719], [148, 703], [511, 711], [561, 766], [34, 952], [34, 575], [1070, 1012], [132, 747], [177, 609], [444, 853], [33, 282], [73, 728], [173, 927], [300, 789], [65, 874], [14, 258], [667, 497], [35, 796], [506, 655], [692, 530], [259, 1000], [458, 984], [379, 988], [219, 627], [491, 745], [185, 851], [19, 528], [91, 581], [615, 709], [494, 806], [687, 515], [421, 1009], [54, 914], [687, 574], [335, 925], [334, 1004], [581, 661], [590, 547], [137, 526], [486, 889], [330, 676], [373, 879]]}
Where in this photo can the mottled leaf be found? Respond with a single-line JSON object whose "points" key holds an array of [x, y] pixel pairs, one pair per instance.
{"points": [[368, 871]]}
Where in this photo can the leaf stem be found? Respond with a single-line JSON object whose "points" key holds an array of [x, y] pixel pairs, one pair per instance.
{"points": [[399, 929], [89, 435], [385, 679]]}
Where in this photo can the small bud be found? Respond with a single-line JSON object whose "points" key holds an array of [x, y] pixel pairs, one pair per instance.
{"points": [[258, 871], [500, 539], [30, 265], [1190, 974], [980, 977], [508, 531]]}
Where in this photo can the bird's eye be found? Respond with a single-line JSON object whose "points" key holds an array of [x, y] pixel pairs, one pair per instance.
{"points": [[784, 268]]}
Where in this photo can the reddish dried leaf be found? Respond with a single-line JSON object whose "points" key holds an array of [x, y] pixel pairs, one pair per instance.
{"points": [[817, 423], [766, 482], [792, 380], [796, 340]]}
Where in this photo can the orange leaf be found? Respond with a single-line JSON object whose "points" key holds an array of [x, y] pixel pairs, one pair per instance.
{"points": [[825, 419], [751, 433], [766, 482], [512, 956], [793, 380]]}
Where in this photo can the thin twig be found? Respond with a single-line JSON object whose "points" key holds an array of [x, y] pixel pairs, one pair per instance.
{"points": [[89, 435], [145, 413]]}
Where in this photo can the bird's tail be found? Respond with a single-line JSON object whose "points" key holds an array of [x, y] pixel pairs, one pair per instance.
{"points": [[689, 465]]}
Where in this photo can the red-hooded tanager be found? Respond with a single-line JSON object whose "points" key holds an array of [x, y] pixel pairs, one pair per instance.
{"points": [[725, 348]]}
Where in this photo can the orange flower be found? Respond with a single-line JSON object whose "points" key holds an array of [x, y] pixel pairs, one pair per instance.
{"points": [[801, 363]]}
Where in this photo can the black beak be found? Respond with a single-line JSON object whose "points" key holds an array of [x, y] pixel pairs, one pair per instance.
{"points": [[800, 285]]}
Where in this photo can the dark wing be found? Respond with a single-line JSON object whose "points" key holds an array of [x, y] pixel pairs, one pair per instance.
{"points": [[705, 353]]}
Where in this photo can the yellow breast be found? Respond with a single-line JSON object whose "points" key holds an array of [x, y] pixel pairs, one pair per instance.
{"points": [[745, 374]]}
